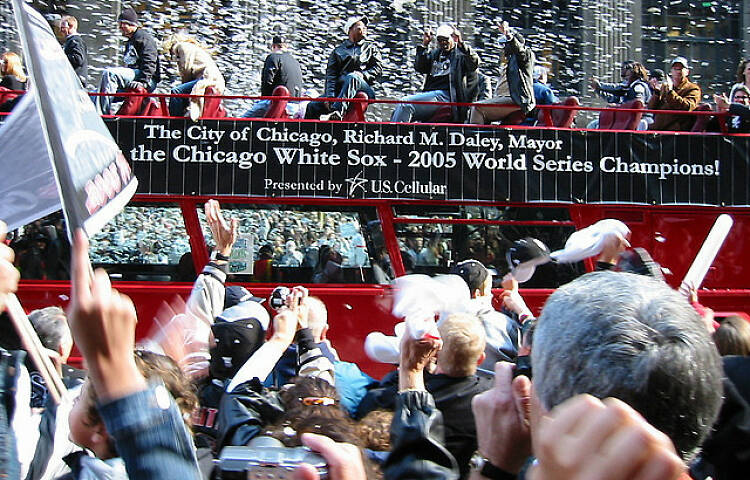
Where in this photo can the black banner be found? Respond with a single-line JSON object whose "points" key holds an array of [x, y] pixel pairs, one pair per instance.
{"points": [[379, 161]]}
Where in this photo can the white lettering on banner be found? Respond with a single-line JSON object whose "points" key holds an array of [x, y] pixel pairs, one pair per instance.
{"points": [[193, 154], [540, 164], [377, 138], [424, 151], [314, 139], [479, 160], [286, 156], [458, 139], [532, 144], [617, 165]]}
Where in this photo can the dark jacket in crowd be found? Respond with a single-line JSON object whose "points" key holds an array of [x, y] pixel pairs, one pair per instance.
{"points": [[142, 54], [520, 72], [362, 57], [452, 396], [726, 452], [75, 50], [417, 449], [740, 122], [10, 368], [11, 82], [621, 92], [281, 68], [462, 78], [245, 412]]}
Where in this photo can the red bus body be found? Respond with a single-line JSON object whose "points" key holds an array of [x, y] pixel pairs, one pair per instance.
{"points": [[673, 234]]}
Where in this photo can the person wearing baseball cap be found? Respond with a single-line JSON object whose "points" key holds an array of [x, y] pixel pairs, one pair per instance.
{"points": [[675, 92], [354, 66], [141, 59], [501, 330], [451, 71]]}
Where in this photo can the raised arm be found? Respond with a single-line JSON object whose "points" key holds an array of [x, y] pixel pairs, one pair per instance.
{"points": [[144, 420]]}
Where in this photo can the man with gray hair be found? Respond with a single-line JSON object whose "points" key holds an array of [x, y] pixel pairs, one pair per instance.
{"points": [[608, 334]]}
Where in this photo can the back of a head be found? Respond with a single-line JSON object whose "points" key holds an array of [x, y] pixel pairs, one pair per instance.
{"points": [[312, 405], [318, 318], [463, 344], [733, 336], [160, 367], [627, 336], [51, 326]]}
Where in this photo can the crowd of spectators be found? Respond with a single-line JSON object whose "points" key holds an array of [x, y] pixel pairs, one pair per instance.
{"points": [[627, 382]]}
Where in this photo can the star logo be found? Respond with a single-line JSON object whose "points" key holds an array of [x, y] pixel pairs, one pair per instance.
{"points": [[355, 184]]}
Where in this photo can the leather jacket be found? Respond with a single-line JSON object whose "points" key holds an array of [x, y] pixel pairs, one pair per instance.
{"points": [[363, 57], [417, 449], [463, 74], [520, 60]]}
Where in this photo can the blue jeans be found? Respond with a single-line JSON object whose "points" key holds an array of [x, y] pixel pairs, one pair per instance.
{"points": [[406, 112], [257, 110], [352, 84], [177, 106], [260, 108], [114, 80]]}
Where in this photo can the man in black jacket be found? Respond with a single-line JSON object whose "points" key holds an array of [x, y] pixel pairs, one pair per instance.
{"points": [[141, 59], [451, 73], [280, 68], [352, 67], [453, 386], [74, 47], [516, 88]]}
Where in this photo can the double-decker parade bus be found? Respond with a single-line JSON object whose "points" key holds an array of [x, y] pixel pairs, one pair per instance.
{"points": [[394, 199]]}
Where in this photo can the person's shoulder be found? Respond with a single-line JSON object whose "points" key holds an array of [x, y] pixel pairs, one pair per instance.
{"points": [[144, 34]]}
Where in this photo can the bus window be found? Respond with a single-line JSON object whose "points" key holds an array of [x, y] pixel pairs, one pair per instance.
{"points": [[482, 233], [144, 243], [305, 244], [42, 250]]}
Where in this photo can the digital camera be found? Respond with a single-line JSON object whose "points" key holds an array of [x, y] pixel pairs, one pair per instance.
{"points": [[256, 462], [278, 297]]}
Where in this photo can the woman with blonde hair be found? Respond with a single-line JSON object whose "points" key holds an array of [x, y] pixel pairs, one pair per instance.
{"points": [[13, 78], [198, 71], [11, 67]]}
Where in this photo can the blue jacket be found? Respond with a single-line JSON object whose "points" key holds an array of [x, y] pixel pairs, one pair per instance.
{"points": [[151, 436]]}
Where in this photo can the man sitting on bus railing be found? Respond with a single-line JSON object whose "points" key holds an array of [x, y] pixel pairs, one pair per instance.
{"points": [[451, 76], [515, 91], [352, 67], [675, 92], [279, 68], [141, 59]]}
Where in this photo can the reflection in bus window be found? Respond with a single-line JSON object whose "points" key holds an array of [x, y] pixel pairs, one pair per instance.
{"points": [[306, 244], [42, 250], [433, 248], [144, 242]]}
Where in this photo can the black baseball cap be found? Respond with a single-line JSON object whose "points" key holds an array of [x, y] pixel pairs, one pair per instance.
{"points": [[234, 343], [473, 273], [524, 256], [657, 73]]}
